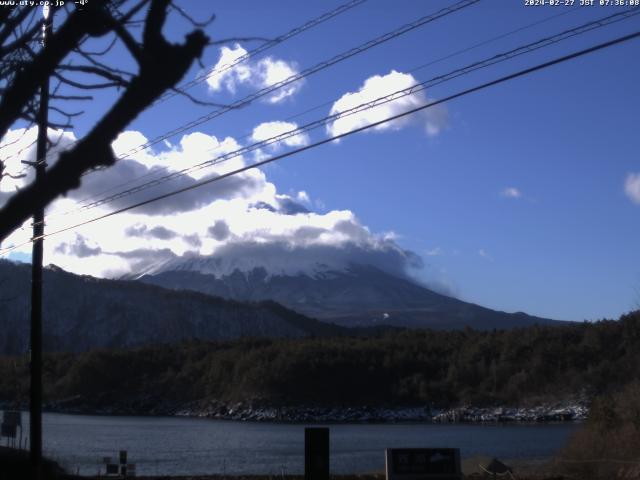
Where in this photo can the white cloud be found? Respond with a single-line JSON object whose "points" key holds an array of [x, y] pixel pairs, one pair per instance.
{"points": [[433, 252], [130, 140], [222, 76], [268, 130], [257, 74], [272, 71], [435, 119], [196, 148], [191, 150], [511, 192], [483, 253], [632, 187], [240, 219], [303, 197]]}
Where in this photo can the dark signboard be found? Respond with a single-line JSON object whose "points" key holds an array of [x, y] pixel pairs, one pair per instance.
{"points": [[316, 454], [423, 463], [123, 457]]}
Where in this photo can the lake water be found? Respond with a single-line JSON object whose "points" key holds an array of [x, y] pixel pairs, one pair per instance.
{"points": [[191, 446]]}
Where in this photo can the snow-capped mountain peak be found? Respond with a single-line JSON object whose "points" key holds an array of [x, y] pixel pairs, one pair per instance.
{"points": [[220, 267]]}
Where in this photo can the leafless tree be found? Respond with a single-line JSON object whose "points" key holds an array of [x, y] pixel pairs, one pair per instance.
{"points": [[75, 71]]}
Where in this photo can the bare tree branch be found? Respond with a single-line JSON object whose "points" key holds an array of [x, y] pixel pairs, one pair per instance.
{"points": [[20, 42], [71, 97], [27, 80], [8, 144], [195, 100], [101, 65], [15, 177], [131, 13], [19, 152], [69, 115], [10, 24], [87, 86], [132, 45], [4, 15], [161, 66], [152, 35], [29, 116], [100, 53], [191, 20], [101, 72]]}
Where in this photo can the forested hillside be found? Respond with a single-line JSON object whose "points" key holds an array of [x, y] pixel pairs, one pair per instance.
{"points": [[437, 368], [81, 313]]}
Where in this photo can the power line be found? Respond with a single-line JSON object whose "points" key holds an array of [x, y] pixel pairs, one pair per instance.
{"points": [[544, 42], [297, 77], [536, 45], [330, 102], [459, 52], [462, 93], [307, 72], [252, 53], [493, 39], [266, 46]]}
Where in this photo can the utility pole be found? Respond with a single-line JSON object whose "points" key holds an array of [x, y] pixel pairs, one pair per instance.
{"points": [[35, 400]]}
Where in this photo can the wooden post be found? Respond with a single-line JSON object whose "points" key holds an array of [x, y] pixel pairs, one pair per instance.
{"points": [[35, 400], [316, 453]]}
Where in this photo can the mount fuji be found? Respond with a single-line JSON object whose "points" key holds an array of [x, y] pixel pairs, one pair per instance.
{"points": [[345, 293]]}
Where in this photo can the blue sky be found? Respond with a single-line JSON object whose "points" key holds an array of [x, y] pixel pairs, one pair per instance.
{"points": [[517, 202]]}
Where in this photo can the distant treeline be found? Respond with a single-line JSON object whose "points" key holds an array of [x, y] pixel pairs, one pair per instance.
{"points": [[439, 368]]}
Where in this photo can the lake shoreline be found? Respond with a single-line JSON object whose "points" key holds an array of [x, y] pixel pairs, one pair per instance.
{"points": [[568, 411]]}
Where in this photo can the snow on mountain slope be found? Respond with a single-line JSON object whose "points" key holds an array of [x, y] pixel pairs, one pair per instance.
{"points": [[296, 264], [349, 294]]}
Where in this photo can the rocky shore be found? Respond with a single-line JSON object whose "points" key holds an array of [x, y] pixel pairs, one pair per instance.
{"points": [[256, 412], [366, 414], [560, 412], [307, 414]]}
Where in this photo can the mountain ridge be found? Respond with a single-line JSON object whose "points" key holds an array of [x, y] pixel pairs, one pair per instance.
{"points": [[355, 296], [81, 312]]}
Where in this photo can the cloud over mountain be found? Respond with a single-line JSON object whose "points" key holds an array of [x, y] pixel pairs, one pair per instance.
{"points": [[244, 221]]}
